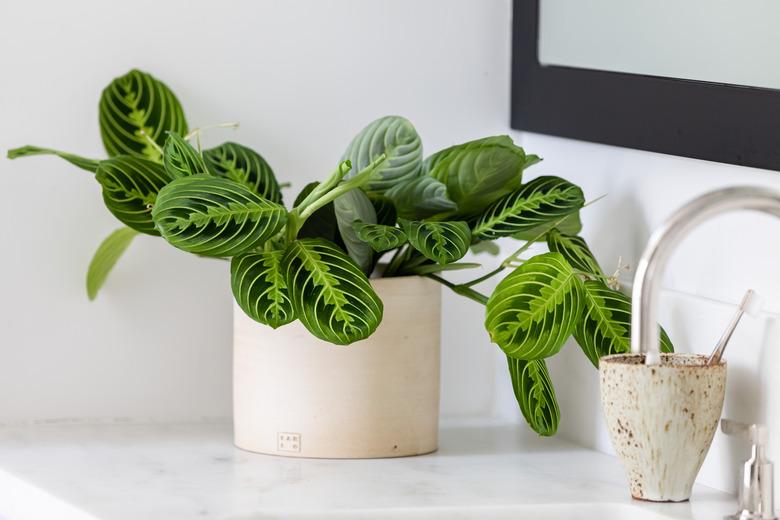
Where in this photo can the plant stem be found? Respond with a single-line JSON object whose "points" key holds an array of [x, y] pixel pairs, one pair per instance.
{"points": [[398, 259], [461, 289], [327, 185]]}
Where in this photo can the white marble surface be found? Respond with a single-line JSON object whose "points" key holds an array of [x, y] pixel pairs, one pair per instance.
{"points": [[483, 469]]}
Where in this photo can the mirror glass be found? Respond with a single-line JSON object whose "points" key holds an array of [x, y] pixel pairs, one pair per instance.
{"points": [[723, 41]]}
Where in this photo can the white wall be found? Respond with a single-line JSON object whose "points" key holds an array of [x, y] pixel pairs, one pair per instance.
{"points": [[706, 278], [302, 77]]}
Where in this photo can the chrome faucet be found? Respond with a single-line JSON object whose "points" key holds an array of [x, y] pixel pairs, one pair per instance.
{"points": [[756, 486], [650, 270]]}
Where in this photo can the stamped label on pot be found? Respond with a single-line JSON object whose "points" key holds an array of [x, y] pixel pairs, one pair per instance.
{"points": [[289, 441]]}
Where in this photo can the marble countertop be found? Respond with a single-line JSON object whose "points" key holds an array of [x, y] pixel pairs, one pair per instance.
{"points": [[483, 469]]}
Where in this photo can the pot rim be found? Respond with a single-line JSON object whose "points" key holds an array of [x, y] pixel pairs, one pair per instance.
{"points": [[630, 359]]}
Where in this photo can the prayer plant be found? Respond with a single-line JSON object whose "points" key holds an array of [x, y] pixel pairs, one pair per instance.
{"points": [[312, 262]]}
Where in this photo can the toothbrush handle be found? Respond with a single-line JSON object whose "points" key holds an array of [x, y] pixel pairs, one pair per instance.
{"points": [[724, 339]]}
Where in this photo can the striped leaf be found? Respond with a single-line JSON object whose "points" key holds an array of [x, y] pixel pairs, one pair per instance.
{"points": [[242, 164], [571, 225], [541, 201], [349, 207], [330, 294], [535, 395], [442, 242], [395, 137], [180, 158], [378, 236], [130, 187], [604, 327], [260, 288], [479, 172], [533, 311], [421, 198], [91, 165], [385, 210], [322, 223], [134, 106], [575, 250], [211, 216], [106, 257]]}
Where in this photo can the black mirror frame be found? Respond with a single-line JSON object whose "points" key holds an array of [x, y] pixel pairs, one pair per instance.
{"points": [[703, 120]]}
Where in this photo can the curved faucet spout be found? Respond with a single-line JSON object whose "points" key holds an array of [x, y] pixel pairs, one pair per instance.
{"points": [[663, 242]]}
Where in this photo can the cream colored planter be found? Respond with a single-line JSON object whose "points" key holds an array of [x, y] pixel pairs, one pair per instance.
{"points": [[661, 419], [298, 396]]}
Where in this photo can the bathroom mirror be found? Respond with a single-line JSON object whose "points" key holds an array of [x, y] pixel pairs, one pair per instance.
{"points": [[695, 78]]}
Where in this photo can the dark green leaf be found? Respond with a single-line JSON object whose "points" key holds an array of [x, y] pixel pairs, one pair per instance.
{"points": [[571, 225], [241, 164], [130, 187], [180, 158], [385, 210], [135, 105], [212, 216], [542, 201], [106, 256], [91, 165], [533, 311], [488, 247], [575, 250], [535, 395], [421, 198], [378, 236], [442, 242], [260, 287], [395, 137], [605, 325], [322, 223], [422, 270], [479, 172], [330, 294], [349, 207]]}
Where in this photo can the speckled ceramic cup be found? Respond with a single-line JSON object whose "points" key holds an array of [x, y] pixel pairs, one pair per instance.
{"points": [[661, 419]]}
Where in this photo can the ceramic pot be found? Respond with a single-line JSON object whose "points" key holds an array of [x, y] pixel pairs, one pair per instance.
{"points": [[298, 396], [661, 419]]}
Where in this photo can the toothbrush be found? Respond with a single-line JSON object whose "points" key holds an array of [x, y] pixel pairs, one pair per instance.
{"points": [[751, 304]]}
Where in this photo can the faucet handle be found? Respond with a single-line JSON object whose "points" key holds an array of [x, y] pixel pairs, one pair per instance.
{"points": [[756, 491]]}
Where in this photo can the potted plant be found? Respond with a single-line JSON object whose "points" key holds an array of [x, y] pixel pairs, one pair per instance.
{"points": [[300, 275]]}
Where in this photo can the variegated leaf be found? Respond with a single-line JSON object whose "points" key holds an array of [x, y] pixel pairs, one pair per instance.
{"points": [[421, 198], [212, 216], [260, 288], [575, 250], [106, 256], [349, 207], [180, 158], [130, 187], [534, 310], [605, 325], [545, 200], [535, 394], [136, 108], [442, 242], [330, 294], [395, 137], [378, 236], [242, 164], [478, 173], [571, 225]]}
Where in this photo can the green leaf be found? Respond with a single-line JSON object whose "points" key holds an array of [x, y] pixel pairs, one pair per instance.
{"points": [[385, 210], [535, 395], [571, 225], [533, 311], [211, 216], [180, 158], [604, 327], [106, 256], [349, 207], [488, 247], [260, 288], [330, 294], [135, 105], [91, 165], [575, 250], [422, 270], [479, 172], [542, 201], [421, 198], [395, 137], [378, 236], [130, 187], [442, 242], [322, 223], [242, 164]]}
